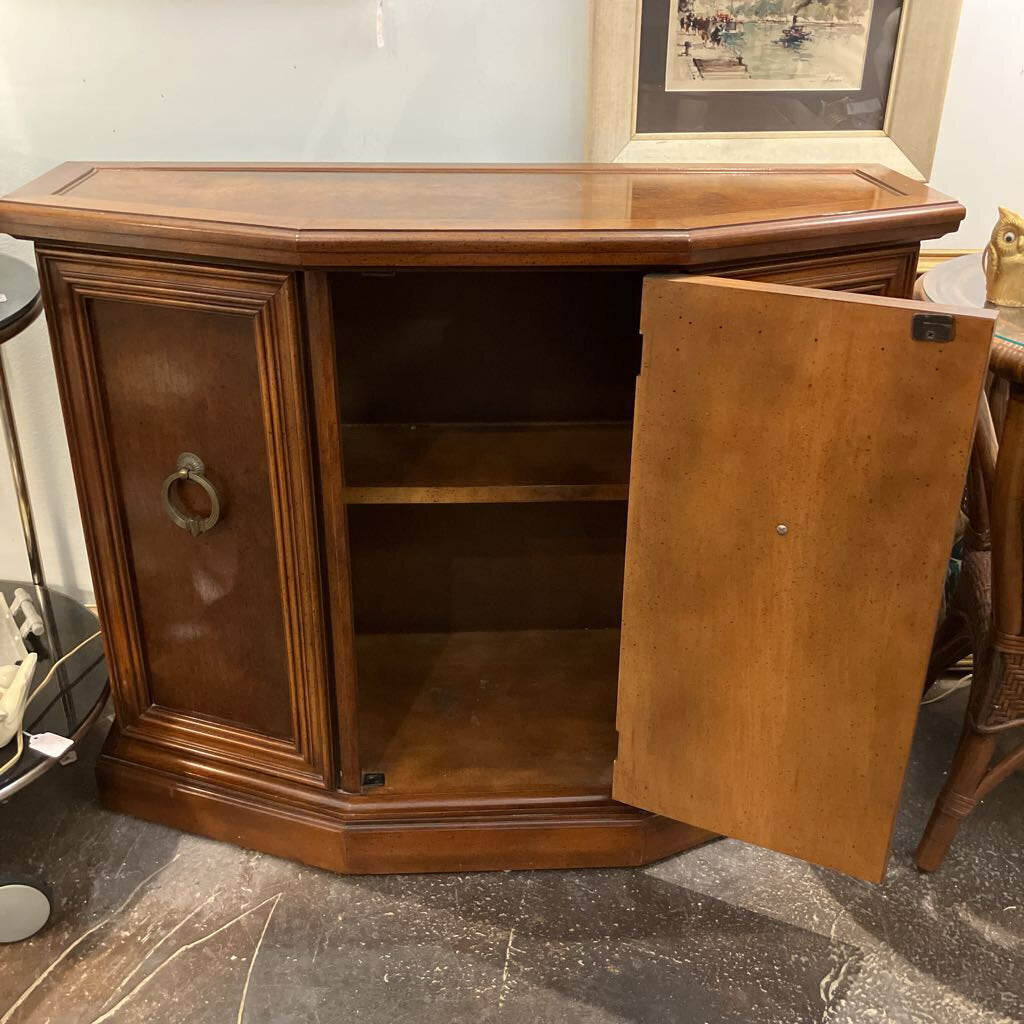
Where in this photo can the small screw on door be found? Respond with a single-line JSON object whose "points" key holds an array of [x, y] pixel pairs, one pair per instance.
{"points": [[782, 529]]}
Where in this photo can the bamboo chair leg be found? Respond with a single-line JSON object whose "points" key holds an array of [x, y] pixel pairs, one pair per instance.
{"points": [[957, 799]]}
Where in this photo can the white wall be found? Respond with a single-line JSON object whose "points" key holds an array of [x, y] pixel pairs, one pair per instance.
{"points": [[457, 80], [980, 156]]}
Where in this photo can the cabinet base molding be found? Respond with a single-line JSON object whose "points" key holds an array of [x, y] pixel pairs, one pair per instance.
{"points": [[585, 834]]}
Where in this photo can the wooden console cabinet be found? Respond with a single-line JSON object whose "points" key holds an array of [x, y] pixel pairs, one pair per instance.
{"points": [[469, 518]]}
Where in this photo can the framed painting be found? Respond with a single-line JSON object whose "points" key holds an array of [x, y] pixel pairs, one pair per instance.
{"points": [[764, 81]]}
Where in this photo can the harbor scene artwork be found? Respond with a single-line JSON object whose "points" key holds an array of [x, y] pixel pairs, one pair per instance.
{"points": [[762, 45]]}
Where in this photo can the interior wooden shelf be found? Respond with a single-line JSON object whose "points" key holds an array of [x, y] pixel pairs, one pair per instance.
{"points": [[491, 712], [486, 462]]}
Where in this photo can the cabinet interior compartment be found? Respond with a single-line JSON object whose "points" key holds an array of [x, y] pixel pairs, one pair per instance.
{"points": [[486, 433]]}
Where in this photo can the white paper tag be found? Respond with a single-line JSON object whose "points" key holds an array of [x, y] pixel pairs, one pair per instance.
{"points": [[50, 744], [380, 24]]}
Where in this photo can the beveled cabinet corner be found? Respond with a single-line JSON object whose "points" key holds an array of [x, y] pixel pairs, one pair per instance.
{"points": [[154, 358]]}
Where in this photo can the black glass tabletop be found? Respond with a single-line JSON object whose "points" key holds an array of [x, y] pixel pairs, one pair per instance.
{"points": [[75, 696], [19, 290]]}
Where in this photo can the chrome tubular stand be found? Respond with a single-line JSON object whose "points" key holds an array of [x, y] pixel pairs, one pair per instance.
{"points": [[27, 307]]}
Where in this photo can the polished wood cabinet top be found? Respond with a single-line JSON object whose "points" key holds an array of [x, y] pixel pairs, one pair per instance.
{"points": [[335, 214]]}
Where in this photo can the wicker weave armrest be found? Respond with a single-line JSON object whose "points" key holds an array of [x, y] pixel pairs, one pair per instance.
{"points": [[1007, 358]]}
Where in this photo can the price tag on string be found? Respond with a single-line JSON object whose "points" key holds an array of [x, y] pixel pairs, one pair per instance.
{"points": [[49, 744], [380, 24]]}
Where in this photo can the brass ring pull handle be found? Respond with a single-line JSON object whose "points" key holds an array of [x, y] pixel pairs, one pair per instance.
{"points": [[191, 467]]}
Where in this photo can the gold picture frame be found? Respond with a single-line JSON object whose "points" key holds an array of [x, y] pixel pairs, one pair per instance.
{"points": [[906, 142]]}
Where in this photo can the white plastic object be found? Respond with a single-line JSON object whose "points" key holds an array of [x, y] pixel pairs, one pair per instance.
{"points": [[50, 744], [33, 622], [12, 646], [15, 685], [25, 906]]}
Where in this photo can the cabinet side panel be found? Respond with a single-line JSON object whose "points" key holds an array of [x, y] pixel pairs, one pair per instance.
{"points": [[183, 380], [887, 272], [215, 641]]}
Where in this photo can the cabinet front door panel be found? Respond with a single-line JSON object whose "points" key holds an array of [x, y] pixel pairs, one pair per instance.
{"points": [[215, 638], [797, 467]]}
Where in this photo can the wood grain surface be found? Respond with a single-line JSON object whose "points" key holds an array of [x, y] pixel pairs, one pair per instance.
{"points": [[214, 642], [769, 683], [530, 712], [323, 214], [389, 463]]}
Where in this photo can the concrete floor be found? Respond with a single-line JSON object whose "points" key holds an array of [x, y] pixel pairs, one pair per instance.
{"points": [[158, 926]]}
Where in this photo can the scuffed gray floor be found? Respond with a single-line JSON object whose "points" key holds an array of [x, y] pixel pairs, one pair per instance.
{"points": [[158, 926]]}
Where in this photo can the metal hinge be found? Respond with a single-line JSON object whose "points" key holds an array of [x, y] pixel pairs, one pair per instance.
{"points": [[933, 327]]}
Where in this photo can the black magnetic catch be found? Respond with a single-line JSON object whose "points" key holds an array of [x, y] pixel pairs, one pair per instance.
{"points": [[933, 327], [373, 779]]}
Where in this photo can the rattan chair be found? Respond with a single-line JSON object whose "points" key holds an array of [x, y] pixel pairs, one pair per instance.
{"points": [[985, 616]]}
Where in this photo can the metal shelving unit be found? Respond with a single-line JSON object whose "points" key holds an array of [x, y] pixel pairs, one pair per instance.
{"points": [[79, 690]]}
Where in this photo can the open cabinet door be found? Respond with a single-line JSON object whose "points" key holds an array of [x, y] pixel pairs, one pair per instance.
{"points": [[798, 462]]}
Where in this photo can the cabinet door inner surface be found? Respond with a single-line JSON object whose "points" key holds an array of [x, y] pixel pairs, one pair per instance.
{"points": [[798, 461]]}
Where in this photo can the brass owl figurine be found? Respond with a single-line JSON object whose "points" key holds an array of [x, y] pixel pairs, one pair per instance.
{"points": [[1004, 261]]}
